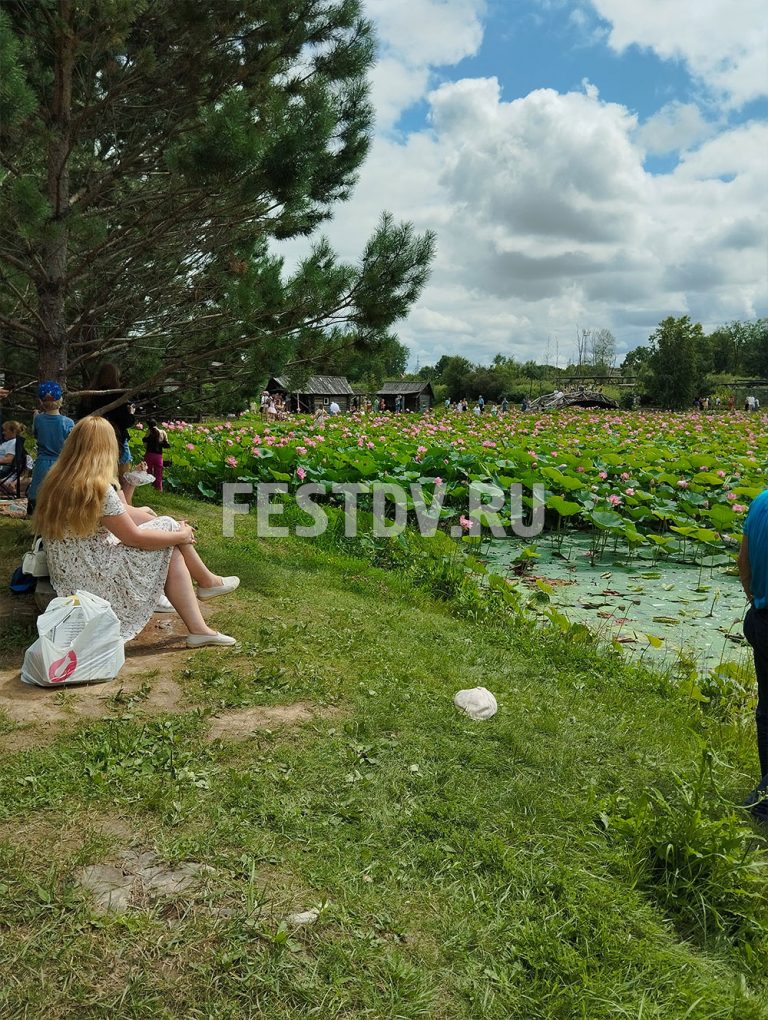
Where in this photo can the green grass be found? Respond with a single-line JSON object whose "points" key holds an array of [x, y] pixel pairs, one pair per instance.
{"points": [[500, 871]]}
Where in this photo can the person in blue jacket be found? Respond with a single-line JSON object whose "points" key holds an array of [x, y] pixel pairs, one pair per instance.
{"points": [[753, 572]]}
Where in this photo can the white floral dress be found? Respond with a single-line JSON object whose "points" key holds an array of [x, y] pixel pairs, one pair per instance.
{"points": [[130, 579]]}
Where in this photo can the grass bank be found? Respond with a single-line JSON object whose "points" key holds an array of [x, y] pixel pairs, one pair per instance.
{"points": [[575, 857]]}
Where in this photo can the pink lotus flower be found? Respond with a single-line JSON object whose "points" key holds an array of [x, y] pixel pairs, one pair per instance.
{"points": [[190, 446], [602, 474], [682, 483], [301, 450], [738, 508], [614, 500], [301, 473], [465, 522], [624, 476], [630, 491], [438, 480], [232, 461]]}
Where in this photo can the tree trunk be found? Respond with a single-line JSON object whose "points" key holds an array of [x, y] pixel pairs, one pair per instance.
{"points": [[51, 288]]}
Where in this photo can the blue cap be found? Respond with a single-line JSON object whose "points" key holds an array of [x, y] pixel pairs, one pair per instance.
{"points": [[49, 390]]}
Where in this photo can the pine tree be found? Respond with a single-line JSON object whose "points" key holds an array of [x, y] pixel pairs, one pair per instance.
{"points": [[152, 153]]}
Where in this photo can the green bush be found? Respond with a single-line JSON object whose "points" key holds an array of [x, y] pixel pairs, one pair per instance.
{"points": [[704, 868]]}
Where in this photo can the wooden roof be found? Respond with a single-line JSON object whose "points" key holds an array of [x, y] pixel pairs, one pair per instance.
{"points": [[389, 389], [317, 385]]}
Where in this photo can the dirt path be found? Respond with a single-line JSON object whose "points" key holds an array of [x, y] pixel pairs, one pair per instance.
{"points": [[151, 661]]}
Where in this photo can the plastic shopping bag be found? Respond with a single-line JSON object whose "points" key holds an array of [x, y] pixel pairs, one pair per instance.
{"points": [[79, 641]]}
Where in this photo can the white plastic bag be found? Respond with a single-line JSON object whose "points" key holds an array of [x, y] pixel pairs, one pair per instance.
{"points": [[79, 641]]}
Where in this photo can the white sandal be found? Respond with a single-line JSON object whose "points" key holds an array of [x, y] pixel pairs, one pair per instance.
{"points": [[200, 640], [228, 584]]}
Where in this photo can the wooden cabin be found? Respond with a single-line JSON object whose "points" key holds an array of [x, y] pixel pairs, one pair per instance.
{"points": [[318, 391], [415, 396]]}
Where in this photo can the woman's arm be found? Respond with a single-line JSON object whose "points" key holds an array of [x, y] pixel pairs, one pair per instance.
{"points": [[126, 530]]}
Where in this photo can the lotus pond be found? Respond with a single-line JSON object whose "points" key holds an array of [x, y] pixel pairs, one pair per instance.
{"points": [[675, 485], [643, 509], [671, 612]]}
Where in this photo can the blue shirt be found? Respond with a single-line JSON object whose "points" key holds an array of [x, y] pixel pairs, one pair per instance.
{"points": [[50, 431], [756, 530]]}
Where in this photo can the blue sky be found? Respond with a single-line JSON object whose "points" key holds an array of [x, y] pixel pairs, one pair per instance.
{"points": [[527, 47], [583, 163]]}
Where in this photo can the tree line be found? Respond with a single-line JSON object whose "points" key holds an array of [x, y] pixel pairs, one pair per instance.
{"points": [[682, 362], [679, 363]]}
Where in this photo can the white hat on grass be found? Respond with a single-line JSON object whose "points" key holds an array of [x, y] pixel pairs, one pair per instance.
{"points": [[478, 703]]}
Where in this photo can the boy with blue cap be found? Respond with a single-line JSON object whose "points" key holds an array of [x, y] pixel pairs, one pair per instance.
{"points": [[50, 429]]}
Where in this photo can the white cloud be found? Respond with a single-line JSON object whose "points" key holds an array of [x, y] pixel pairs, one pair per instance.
{"points": [[428, 32], [674, 128], [545, 215], [416, 36], [723, 42], [546, 219], [394, 88]]}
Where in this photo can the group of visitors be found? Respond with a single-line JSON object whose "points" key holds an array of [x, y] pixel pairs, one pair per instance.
{"points": [[480, 406], [95, 540], [274, 406], [715, 403]]}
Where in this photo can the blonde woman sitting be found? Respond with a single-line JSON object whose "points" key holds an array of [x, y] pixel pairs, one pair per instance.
{"points": [[96, 543]]}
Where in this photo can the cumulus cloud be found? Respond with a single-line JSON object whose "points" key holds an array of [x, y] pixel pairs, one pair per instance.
{"points": [[546, 215], [429, 32], [553, 167], [416, 36], [675, 127], [723, 43], [395, 88], [547, 219]]}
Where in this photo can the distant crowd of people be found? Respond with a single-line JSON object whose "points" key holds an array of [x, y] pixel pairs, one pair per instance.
{"points": [[480, 406], [715, 403]]}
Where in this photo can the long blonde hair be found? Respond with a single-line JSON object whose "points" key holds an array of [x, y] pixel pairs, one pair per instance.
{"points": [[71, 499]]}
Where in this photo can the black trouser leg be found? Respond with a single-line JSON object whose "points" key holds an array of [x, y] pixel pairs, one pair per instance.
{"points": [[756, 632]]}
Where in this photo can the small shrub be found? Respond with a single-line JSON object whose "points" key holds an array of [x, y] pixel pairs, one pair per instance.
{"points": [[728, 689], [705, 870]]}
